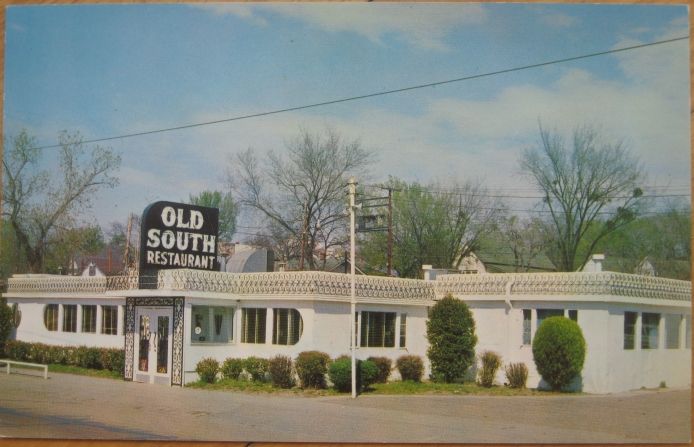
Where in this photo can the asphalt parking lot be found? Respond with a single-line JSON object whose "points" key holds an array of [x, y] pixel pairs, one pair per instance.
{"points": [[70, 407]]}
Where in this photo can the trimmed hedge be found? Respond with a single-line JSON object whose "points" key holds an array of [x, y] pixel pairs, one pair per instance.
{"points": [[311, 367], [207, 369], [340, 373], [281, 371], [232, 368], [384, 365], [86, 357], [411, 367], [559, 351]]}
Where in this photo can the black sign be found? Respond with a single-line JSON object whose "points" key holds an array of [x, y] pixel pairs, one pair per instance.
{"points": [[177, 236]]}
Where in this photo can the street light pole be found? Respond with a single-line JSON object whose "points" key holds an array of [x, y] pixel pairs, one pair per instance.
{"points": [[353, 303]]}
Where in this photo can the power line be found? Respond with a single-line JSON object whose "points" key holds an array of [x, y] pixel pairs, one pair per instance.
{"points": [[373, 95]]}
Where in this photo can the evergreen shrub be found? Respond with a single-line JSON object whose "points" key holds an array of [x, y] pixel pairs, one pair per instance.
{"points": [[6, 323], [256, 367], [491, 361], [410, 367], [340, 373], [82, 356], [452, 339], [517, 375], [232, 368], [559, 351], [207, 369], [311, 367], [384, 365], [281, 371]]}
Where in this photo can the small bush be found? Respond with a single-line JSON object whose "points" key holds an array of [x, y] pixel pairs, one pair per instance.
{"points": [[410, 367], [384, 365], [17, 350], [311, 367], [6, 323], [113, 360], [207, 369], [340, 373], [256, 367], [280, 369], [517, 375], [491, 361], [86, 357], [232, 368], [559, 351], [367, 373]]}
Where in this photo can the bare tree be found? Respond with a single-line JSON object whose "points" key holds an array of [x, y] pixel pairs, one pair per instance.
{"points": [[589, 190], [36, 200], [303, 191], [525, 239]]}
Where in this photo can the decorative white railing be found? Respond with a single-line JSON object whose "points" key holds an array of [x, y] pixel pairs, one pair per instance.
{"points": [[338, 284], [575, 283], [294, 283]]}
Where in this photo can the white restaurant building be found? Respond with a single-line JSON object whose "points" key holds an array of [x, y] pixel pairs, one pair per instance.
{"points": [[637, 328]]}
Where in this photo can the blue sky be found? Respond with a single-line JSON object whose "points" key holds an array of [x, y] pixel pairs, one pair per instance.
{"points": [[107, 70]]}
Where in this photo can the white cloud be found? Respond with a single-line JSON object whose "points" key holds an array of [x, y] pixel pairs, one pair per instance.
{"points": [[423, 26]]}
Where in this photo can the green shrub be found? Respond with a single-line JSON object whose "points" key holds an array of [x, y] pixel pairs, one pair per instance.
{"points": [[410, 367], [452, 339], [232, 368], [6, 323], [311, 367], [517, 375], [384, 365], [207, 369], [87, 357], [83, 356], [256, 367], [559, 350], [17, 350], [281, 372], [340, 373], [491, 361]]}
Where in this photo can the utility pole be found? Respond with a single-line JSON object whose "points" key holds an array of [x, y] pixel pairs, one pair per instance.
{"points": [[304, 229], [390, 233], [126, 255], [353, 303]]}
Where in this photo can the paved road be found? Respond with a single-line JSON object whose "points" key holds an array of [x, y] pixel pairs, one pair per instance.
{"points": [[67, 406]]}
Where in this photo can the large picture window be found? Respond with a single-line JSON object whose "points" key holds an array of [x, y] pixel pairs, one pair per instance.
{"points": [[109, 320], [89, 318], [212, 324], [50, 317], [69, 317], [253, 325], [287, 326], [378, 329], [650, 326], [629, 330]]}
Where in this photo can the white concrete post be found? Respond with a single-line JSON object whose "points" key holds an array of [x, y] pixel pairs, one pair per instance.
{"points": [[637, 335], [99, 317], [79, 319], [61, 314], [120, 329], [352, 301]]}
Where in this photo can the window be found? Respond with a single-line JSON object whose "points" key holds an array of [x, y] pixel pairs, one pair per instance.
{"points": [[672, 331], [629, 330], [50, 317], [212, 324], [378, 329], [69, 317], [287, 326], [89, 318], [527, 315], [650, 325], [253, 325], [109, 320], [542, 314], [403, 330], [573, 315]]}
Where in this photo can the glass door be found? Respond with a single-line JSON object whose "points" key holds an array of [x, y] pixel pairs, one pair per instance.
{"points": [[153, 345]]}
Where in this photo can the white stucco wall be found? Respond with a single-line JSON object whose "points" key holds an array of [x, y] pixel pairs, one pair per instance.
{"points": [[32, 328]]}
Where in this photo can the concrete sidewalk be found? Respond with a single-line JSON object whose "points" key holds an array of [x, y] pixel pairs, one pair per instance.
{"points": [[67, 406]]}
